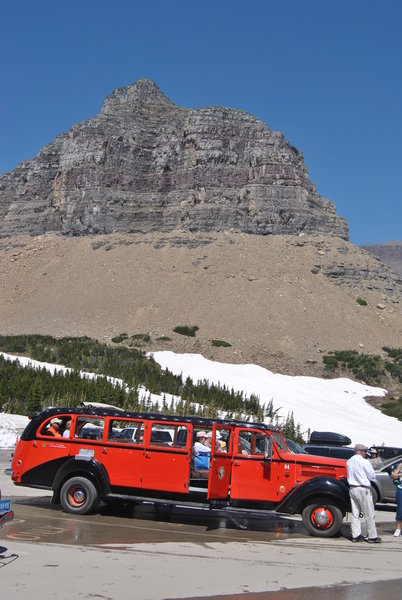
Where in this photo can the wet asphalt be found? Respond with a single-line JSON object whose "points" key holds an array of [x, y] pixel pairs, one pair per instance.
{"points": [[37, 520]]}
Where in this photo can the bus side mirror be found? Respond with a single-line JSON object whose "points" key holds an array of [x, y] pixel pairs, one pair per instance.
{"points": [[268, 448]]}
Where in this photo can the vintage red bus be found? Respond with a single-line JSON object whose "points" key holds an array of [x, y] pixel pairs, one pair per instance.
{"points": [[91, 454]]}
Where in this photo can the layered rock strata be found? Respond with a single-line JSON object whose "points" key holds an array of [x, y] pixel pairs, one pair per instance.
{"points": [[144, 164]]}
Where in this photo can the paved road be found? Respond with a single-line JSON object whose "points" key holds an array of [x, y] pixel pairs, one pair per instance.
{"points": [[153, 554]]}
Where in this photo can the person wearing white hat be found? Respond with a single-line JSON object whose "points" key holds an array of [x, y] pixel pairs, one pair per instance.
{"points": [[220, 445], [374, 459], [202, 450], [360, 475], [54, 428], [203, 442]]}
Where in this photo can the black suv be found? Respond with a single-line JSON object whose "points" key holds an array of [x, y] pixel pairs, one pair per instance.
{"points": [[386, 452], [328, 443]]}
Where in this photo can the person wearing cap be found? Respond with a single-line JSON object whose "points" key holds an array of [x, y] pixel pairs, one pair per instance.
{"points": [[220, 445], [202, 450], [374, 459], [360, 475], [54, 428], [203, 443]]}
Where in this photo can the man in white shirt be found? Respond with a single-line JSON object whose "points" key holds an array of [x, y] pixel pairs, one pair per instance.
{"points": [[360, 474]]}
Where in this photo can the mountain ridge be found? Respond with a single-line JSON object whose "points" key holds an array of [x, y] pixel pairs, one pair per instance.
{"points": [[144, 164]]}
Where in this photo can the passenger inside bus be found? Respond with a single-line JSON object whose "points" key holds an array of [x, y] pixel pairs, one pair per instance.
{"points": [[53, 428], [220, 444], [243, 446], [67, 428], [202, 450]]}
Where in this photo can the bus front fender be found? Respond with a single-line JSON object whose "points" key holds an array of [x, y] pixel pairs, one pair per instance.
{"points": [[91, 469], [332, 490]]}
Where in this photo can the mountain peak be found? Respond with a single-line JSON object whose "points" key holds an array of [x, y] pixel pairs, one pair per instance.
{"points": [[128, 99]]}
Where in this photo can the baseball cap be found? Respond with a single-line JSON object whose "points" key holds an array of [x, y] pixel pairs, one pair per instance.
{"points": [[360, 447]]}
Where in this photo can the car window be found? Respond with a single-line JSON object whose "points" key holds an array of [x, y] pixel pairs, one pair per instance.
{"points": [[390, 462]]}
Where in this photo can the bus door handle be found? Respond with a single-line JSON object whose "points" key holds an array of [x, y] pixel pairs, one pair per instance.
{"points": [[147, 455], [236, 463]]}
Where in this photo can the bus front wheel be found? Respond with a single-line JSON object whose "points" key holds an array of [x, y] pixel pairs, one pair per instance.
{"points": [[322, 519], [79, 496]]}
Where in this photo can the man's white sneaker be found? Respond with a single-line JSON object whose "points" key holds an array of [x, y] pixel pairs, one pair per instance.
{"points": [[397, 533]]}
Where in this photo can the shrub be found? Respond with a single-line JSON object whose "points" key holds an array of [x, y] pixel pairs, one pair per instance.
{"points": [[218, 343], [141, 337], [369, 368], [361, 301], [188, 330], [331, 362], [164, 338], [119, 338]]}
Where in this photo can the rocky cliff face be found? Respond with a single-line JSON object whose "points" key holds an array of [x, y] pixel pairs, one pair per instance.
{"points": [[144, 164], [390, 254]]}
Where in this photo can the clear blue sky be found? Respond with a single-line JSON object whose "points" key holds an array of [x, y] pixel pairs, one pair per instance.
{"points": [[327, 73]]}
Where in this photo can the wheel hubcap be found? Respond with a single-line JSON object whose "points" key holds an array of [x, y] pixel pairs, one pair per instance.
{"points": [[322, 518], [76, 496]]}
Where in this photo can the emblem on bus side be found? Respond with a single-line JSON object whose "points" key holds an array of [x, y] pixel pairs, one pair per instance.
{"points": [[221, 472]]}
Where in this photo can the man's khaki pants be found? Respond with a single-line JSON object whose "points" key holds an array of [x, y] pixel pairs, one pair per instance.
{"points": [[362, 503]]}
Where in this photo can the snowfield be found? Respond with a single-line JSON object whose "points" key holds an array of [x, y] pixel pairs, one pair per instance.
{"points": [[317, 404]]}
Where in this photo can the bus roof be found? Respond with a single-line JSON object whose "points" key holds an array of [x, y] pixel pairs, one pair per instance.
{"points": [[103, 411]]}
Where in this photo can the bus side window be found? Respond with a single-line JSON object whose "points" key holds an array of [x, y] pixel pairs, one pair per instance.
{"points": [[128, 432], [167, 434], [251, 442], [88, 428]]}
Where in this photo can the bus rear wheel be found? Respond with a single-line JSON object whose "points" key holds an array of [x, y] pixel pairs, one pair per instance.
{"points": [[79, 496], [322, 519]]}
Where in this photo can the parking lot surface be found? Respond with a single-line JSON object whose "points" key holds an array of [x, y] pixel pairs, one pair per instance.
{"points": [[155, 553]]}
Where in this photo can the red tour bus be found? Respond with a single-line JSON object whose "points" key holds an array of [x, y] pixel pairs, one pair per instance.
{"points": [[91, 454]]}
